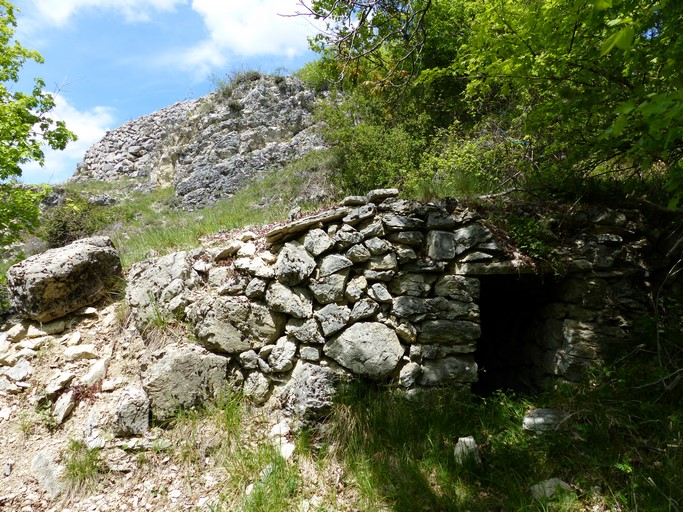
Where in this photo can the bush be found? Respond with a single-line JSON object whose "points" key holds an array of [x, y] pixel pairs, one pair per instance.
{"points": [[76, 218]]}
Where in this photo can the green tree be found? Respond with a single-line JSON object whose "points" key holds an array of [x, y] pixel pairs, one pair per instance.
{"points": [[587, 87], [25, 127]]}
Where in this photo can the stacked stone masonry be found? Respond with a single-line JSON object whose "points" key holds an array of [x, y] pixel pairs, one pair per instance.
{"points": [[384, 289]]}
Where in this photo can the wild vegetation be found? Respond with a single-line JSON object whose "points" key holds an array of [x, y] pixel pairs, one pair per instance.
{"points": [[548, 97], [570, 99]]}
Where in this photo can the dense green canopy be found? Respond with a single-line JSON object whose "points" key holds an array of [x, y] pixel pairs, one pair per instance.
{"points": [[551, 92]]}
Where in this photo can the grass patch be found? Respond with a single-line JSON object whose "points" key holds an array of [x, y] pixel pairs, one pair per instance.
{"points": [[621, 449], [150, 224], [82, 468]]}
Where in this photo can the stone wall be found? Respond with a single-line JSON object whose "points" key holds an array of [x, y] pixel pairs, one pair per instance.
{"points": [[391, 290], [210, 147]]}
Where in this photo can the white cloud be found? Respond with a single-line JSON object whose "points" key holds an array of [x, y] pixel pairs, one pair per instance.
{"points": [[58, 12], [247, 29], [90, 126]]}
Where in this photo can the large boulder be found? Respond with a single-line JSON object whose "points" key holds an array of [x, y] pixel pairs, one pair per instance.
{"points": [[60, 281], [369, 349], [181, 377]]}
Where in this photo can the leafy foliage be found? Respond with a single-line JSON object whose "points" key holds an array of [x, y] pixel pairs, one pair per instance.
{"points": [[25, 127], [76, 218], [590, 87]]}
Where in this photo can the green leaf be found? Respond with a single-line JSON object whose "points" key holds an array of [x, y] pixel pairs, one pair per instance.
{"points": [[625, 38], [601, 5], [608, 44]]}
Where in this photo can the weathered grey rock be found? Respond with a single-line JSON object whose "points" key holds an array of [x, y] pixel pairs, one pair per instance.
{"points": [[369, 349], [385, 262], [332, 318], [256, 289], [469, 236], [441, 220], [394, 222], [364, 308], [356, 288], [294, 265], [58, 382], [256, 387], [441, 245], [131, 412], [309, 353], [159, 284], [182, 376], [377, 246], [346, 237], [457, 287], [379, 293], [407, 332], [291, 301], [547, 488], [410, 238], [359, 214], [282, 357], [417, 285], [306, 331], [248, 360], [380, 194], [379, 275], [60, 281], [409, 374], [332, 264], [21, 371], [358, 253], [466, 451], [448, 370], [64, 406], [310, 391], [454, 332], [48, 473], [354, 201], [95, 374], [330, 288], [80, 352], [540, 421], [223, 337], [317, 242], [212, 146]]}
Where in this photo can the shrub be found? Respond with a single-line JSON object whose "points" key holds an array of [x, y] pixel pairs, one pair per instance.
{"points": [[75, 218]]}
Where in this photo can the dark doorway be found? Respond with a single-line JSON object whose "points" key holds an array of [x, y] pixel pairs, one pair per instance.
{"points": [[511, 315]]}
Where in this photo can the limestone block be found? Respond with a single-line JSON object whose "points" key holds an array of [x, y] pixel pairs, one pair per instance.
{"points": [[441, 245], [364, 308], [182, 376], [332, 318], [256, 387], [448, 370], [332, 264], [310, 391], [369, 349], [454, 332], [317, 242], [306, 331], [291, 301], [294, 264], [282, 357], [131, 412], [60, 281], [330, 288]]}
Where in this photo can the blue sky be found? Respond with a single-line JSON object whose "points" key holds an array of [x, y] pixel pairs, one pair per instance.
{"points": [[110, 61]]}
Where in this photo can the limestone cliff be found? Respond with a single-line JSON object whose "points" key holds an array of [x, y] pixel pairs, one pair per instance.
{"points": [[208, 148]]}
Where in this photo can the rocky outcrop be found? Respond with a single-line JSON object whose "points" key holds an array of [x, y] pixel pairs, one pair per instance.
{"points": [[60, 281], [210, 147]]}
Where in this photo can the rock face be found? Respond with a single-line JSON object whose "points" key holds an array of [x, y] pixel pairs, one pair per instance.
{"points": [[210, 147], [59, 281], [182, 377]]}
